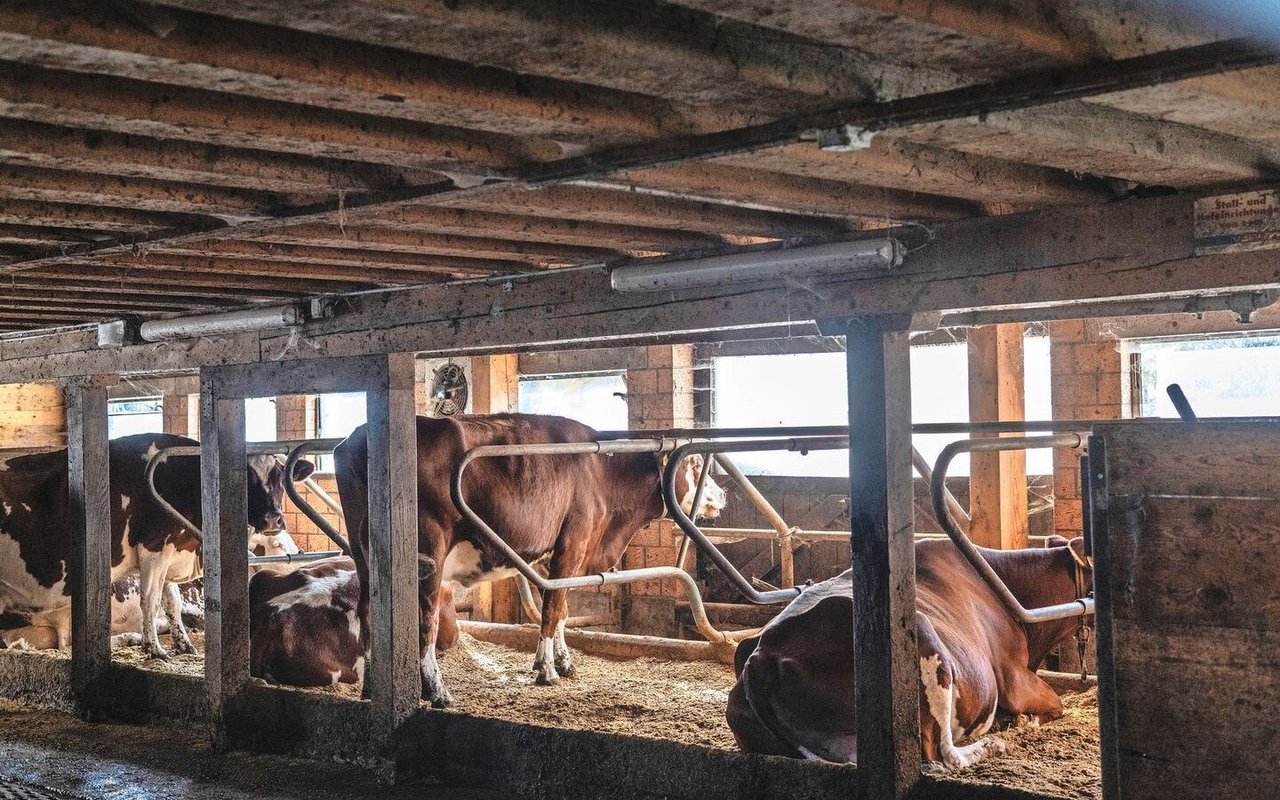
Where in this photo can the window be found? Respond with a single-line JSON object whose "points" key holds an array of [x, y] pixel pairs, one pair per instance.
{"points": [[1235, 375], [337, 415], [135, 415], [260, 419], [595, 400], [810, 389], [146, 415]]}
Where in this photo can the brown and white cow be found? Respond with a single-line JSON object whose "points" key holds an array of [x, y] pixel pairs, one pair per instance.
{"points": [[304, 629], [795, 697], [576, 513], [35, 541]]}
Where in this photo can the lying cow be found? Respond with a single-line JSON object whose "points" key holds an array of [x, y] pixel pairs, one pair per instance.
{"points": [[35, 543], [795, 696], [46, 630], [577, 513], [304, 629]]}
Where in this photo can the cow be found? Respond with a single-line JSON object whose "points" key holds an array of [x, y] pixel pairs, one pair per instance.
{"points": [[304, 629], [50, 629], [574, 514], [35, 544], [795, 690]]}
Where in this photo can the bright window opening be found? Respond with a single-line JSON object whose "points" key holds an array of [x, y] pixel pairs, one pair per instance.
{"points": [[810, 389], [337, 415], [1234, 375], [260, 419], [135, 415], [599, 401]]}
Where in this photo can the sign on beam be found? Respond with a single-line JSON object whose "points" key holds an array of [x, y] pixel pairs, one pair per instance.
{"points": [[1233, 223]]}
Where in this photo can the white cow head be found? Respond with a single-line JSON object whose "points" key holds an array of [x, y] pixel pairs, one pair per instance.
{"points": [[686, 486]]}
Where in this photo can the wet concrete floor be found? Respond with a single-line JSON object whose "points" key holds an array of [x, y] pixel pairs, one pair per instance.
{"points": [[110, 761]]}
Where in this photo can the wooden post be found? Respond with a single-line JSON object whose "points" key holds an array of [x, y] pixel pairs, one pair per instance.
{"points": [[997, 481], [226, 564], [886, 659], [89, 512], [495, 388], [392, 673]]}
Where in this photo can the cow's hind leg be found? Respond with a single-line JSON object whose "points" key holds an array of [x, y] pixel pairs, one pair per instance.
{"points": [[552, 659], [152, 569], [939, 727], [433, 689], [172, 598]]}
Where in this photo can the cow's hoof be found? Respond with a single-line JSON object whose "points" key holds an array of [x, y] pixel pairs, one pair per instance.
{"points": [[440, 698], [546, 677], [183, 647], [565, 667], [157, 653]]}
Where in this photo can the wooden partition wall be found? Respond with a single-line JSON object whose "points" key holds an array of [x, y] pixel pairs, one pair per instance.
{"points": [[1187, 524]]}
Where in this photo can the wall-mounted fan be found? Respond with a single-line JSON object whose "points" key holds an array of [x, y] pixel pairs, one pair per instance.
{"points": [[449, 390]]}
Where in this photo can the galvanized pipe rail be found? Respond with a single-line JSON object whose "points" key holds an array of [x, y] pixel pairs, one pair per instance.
{"points": [[715, 449], [252, 448], [1077, 608], [295, 452], [657, 445]]}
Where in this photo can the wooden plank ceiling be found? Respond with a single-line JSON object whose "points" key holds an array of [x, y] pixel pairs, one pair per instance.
{"points": [[158, 157]]}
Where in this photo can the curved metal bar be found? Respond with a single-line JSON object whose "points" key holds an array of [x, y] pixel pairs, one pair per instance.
{"points": [[306, 508], [1076, 608], [659, 445], [291, 558], [149, 475], [700, 540]]}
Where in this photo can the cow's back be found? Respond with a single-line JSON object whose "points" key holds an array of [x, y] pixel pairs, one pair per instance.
{"points": [[526, 499]]}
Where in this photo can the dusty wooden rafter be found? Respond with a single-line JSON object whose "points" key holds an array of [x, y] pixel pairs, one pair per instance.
{"points": [[1022, 91]]}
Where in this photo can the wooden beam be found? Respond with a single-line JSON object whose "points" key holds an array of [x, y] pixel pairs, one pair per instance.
{"points": [[495, 386], [223, 492], [144, 194], [275, 63], [751, 187], [886, 660], [296, 286], [698, 58], [425, 270], [89, 518], [394, 681], [1106, 141], [131, 107], [1135, 249], [997, 481], [616, 205], [232, 252], [893, 162], [43, 283], [99, 152], [382, 243], [464, 222]]}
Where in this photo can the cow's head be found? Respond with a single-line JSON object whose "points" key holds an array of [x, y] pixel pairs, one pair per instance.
{"points": [[686, 486], [1081, 564], [266, 491]]}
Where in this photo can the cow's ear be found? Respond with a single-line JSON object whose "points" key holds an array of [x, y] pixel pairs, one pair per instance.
{"points": [[1054, 540], [1077, 544], [302, 470]]}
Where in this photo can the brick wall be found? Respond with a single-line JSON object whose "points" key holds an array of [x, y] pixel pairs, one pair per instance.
{"points": [[1088, 382], [659, 395]]}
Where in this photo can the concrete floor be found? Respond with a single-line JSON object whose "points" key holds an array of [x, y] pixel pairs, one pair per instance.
{"points": [[130, 762]]}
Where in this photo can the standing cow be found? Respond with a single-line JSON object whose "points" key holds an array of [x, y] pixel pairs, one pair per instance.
{"points": [[35, 543], [575, 512], [795, 696]]}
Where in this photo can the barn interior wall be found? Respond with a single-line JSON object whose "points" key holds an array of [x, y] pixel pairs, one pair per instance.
{"points": [[34, 416], [1088, 382]]}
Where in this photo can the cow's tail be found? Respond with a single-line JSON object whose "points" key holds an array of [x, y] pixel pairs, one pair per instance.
{"points": [[351, 471]]}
